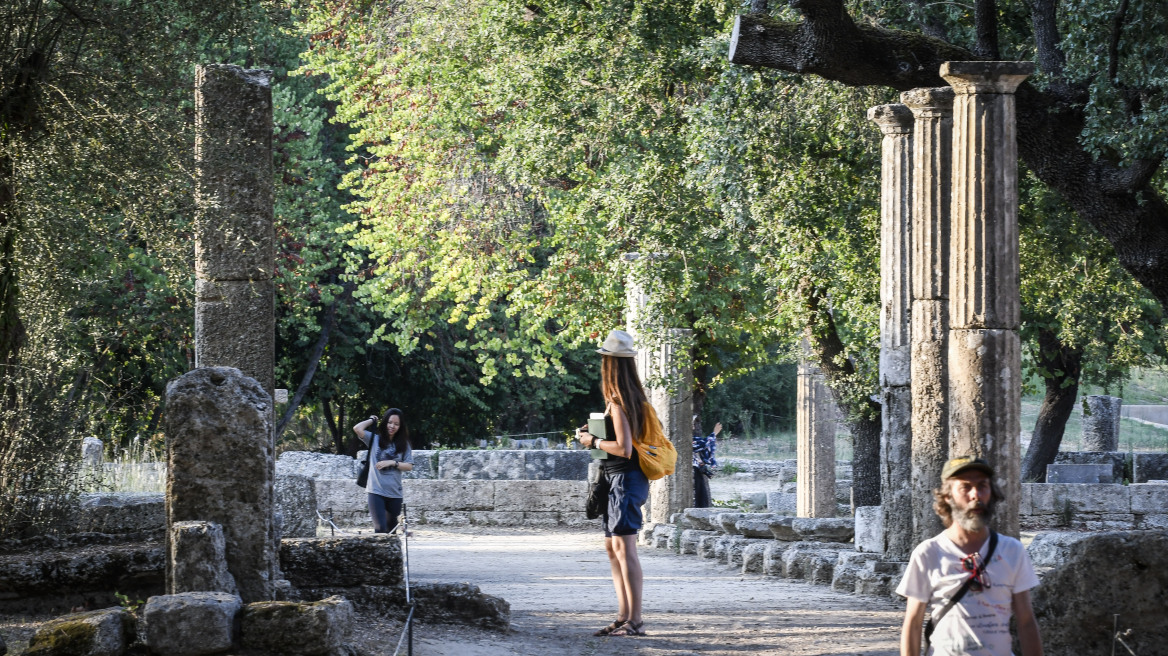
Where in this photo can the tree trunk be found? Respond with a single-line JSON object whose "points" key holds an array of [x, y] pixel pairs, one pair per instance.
{"points": [[1064, 366], [12, 333], [1118, 201], [863, 417], [701, 388]]}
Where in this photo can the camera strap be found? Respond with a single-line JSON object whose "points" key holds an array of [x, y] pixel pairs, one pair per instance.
{"points": [[934, 620]]}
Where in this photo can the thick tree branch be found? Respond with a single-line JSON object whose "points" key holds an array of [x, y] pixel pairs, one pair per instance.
{"points": [[1044, 18], [1117, 201], [1113, 47], [313, 362]]}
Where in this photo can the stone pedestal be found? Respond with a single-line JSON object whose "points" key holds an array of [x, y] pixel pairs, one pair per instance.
{"points": [[896, 183], [220, 468], [92, 453], [932, 184], [234, 234], [985, 367], [815, 442], [666, 369], [1101, 416]]}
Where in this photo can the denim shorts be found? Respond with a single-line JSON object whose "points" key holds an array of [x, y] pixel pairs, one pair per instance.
{"points": [[628, 493]]}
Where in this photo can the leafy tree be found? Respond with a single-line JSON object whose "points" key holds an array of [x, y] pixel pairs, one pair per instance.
{"points": [[1091, 124]]}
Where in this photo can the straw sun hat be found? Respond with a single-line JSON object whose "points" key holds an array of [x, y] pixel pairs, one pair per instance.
{"points": [[618, 344]]}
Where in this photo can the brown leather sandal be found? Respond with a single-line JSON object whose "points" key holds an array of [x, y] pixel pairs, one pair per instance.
{"points": [[616, 625], [630, 629]]}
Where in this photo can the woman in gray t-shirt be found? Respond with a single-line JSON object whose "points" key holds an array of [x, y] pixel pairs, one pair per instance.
{"points": [[390, 454]]}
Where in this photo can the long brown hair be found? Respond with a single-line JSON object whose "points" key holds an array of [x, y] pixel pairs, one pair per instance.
{"points": [[620, 384]]}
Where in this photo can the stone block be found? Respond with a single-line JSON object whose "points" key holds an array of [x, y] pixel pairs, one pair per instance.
{"points": [[689, 539], [482, 465], [708, 544], [233, 173], [120, 512], [556, 465], [869, 529], [576, 519], [425, 465], [784, 502], [92, 452], [197, 560], [756, 525], [296, 628], [296, 498], [447, 517], [782, 529], [105, 632], [1149, 467], [1103, 575], [106, 567], [753, 554], [549, 519], [342, 500], [879, 578], [1026, 500], [491, 518], [227, 331], [663, 536], [1057, 498], [1153, 522], [1050, 548], [317, 465], [843, 492], [772, 558], [1080, 474], [222, 468], [1101, 416], [736, 551], [703, 519], [348, 561], [451, 495], [847, 569], [1107, 522], [539, 496], [1114, 458], [189, 624], [726, 522], [811, 561], [824, 529], [721, 548]]}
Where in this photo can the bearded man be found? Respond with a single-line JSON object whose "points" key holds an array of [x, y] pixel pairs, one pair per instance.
{"points": [[989, 575]]}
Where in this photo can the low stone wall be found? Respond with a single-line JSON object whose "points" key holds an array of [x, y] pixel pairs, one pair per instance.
{"points": [[1097, 507], [460, 465], [460, 503]]}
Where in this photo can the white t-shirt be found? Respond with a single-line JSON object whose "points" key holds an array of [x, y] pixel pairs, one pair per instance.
{"points": [[979, 625]]}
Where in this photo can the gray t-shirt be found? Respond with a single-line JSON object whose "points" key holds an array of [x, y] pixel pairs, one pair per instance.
{"points": [[386, 482]]}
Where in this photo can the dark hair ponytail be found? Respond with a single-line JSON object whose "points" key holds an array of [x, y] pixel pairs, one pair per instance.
{"points": [[401, 439]]}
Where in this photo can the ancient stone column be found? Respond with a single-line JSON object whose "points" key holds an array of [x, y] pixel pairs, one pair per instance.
{"points": [[666, 369], [985, 361], [220, 469], [896, 124], [234, 234], [1101, 416], [932, 184], [815, 417]]}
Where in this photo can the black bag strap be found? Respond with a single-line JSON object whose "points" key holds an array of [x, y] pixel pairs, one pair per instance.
{"points": [[936, 619]]}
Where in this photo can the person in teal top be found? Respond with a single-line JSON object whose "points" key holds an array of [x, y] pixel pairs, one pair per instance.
{"points": [[389, 455]]}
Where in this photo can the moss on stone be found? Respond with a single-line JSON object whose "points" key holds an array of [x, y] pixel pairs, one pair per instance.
{"points": [[63, 638]]}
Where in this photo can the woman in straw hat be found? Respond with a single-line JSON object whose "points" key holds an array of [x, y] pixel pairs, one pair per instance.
{"points": [[624, 417]]}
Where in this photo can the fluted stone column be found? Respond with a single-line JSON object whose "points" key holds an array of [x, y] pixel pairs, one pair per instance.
{"points": [[896, 188], [815, 442], [234, 234], [985, 360], [932, 184], [673, 401]]}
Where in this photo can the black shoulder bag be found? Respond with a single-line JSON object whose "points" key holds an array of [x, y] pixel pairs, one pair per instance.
{"points": [[597, 497], [363, 476], [932, 622]]}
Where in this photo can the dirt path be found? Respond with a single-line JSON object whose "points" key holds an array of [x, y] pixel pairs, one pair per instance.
{"points": [[560, 590]]}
